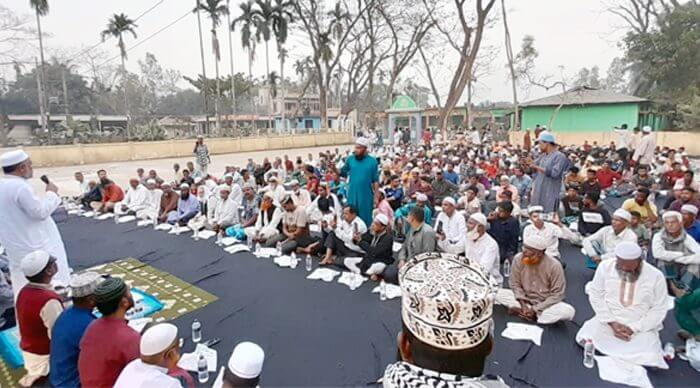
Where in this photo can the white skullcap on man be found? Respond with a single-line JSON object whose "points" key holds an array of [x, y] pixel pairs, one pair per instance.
{"points": [[456, 312], [449, 200], [34, 263], [362, 141], [673, 214], [536, 242], [14, 157], [294, 182], [627, 250], [622, 214], [84, 284], [479, 218], [535, 209], [246, 361], [420, 197], [221, 188], [646, 129], [184, 186], [382, 219], [272, 178], [689, 208], [505, 178], [158, 338], [151, 181]]}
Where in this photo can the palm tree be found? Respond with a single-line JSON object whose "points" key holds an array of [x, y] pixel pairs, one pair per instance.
{"points": [[41, 8], [117, 26], [248, 20], [204, 67], [215, 9], [230, 54], [263, 30], [281, 18]]}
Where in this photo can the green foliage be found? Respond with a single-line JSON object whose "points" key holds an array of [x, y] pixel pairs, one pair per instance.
{"points": [[117, 26], [40, 6]]}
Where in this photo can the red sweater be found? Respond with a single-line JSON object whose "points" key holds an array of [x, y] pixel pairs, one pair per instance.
{"points": [[34, 334]]}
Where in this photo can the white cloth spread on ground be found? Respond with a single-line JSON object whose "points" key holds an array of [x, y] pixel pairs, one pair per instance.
{"points": [[622, 372], [523, 331]]}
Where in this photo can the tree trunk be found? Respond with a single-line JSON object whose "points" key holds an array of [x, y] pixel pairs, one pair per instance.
{"points": [[40, 95], [283, 99], [45, 125], [269, 87], [65, 93], [322, 103], [230, 52], [204, 69], [126, 100], [254, 99], [469, 119], [509, 55], [218, 84]]}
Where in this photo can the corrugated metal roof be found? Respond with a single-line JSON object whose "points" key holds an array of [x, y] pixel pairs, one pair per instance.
{"points": [[582, 96]]}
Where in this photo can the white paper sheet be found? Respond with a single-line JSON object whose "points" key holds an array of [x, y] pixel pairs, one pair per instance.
{"points": [[266, 252], [523, 331], [237, 248], [205, 234], [352, 280], [105, 216], [283, 261], [164, 227], [183, 229], [144, 223], [325, 274], [392, 291], [188, 361], [315, 228], [396, 247], [622, 372], [229, 241], [139, 323], [74, 212], [88, 214], [125, 219]]}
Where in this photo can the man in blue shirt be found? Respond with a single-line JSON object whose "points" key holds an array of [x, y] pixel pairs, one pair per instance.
{"points": [[450, 174], [68, 331], [394, 193], [187, 207], [521, 181], [690, 222]]}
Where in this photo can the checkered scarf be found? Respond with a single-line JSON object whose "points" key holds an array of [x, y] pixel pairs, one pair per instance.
{"points": [[405, 375]]}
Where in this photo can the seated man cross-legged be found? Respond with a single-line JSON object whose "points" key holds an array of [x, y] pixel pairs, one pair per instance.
{"points": [[377, 244], [538, 286], [295, 228], [340, 241]]}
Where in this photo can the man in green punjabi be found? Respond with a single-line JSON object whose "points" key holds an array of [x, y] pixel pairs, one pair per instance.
{"points": [[362, 172]]}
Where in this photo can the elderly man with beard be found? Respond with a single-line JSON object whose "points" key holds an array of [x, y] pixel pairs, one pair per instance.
{"points": [[538, 286], [550, 168], [630, 302], [168, 202], [479, 246], [677, 254], [187, 207], [361, 171], [152, 208], [601, 244], [226, 211], [377, 245], [136, 199], [450, 227]]}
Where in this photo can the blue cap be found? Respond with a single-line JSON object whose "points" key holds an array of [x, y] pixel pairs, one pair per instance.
{"points": [[546, 137]]}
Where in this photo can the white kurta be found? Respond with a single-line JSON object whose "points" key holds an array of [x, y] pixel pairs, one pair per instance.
{"points": [[138, 374], [301, 198], [137, 198], [26, 226], [641, 306], [152, 206], [485, 252], [226, 212], [455, 230], [606, 239], [345, 231]]}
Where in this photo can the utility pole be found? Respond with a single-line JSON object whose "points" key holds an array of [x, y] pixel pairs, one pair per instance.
{"points": [[230, 51], [65, 92], [40, 94], [204, 70]]}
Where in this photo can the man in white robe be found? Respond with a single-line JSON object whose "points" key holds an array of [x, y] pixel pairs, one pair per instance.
{"points": [[450, 227], [479, 246], [630, 302], [135, 199], [226, 212], [551, 232], [268, 223], [25, 220], [152, 202], [601, 244], [160, 352], [276, 189], [301, 197]]}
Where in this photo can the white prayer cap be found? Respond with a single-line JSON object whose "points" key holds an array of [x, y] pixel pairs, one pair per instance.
{"points": [[246, 361], [151, 181], [221, 188], [420, 197], [646, 128], [627, 250], [382, 219], [269, 195], [409, 165], [13, 157], [34, 263], [456, 313], [362, 141], [166, 183], [294, 182], [415, 169], [228, 175], [197, 180], [535, 209], [505, 177], [84, 284], [248, 185], [449, 200], [673, 214], [272, 178], [535, 242], [479, 171], [479, 218], [184, 186], [158, 338], [623, 214], [689, 208]]}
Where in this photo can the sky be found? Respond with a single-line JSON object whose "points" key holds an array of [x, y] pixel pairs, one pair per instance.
{"points": [[569, 34]]}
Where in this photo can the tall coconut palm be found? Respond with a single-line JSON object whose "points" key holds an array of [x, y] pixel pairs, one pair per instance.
{"points": [[215, 9], [281, 18], [41, 8], [265, 12], [117, 27], [204, 67], [248, 20], [230, 55]]}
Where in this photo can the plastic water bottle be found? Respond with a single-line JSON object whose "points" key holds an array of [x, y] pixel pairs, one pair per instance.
{"points": [[177, 228], [279, 248], [196, 235], [219, 239], [669, 351], [155, 223], [196, 331], [308, 263], [588, 354], [257, 247], [506, 268], [382, 290], [202, 370], [293, 262]]}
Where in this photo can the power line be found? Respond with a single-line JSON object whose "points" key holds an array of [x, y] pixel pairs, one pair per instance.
{"points": [[142, 41]]}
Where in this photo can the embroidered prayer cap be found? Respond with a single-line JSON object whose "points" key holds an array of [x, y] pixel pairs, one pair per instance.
{"points": [[479, 218], [446, 300], [689, 208], [246, 361], [14, 157], [157, 339], [673, 214], [109, 290], [382, 219], [34, 263], [535, 242], [84, 284], [623, 214], [627, 250], [362, 141]]}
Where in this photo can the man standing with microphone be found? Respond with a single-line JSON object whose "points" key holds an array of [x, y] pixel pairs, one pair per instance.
{"points": [[25, 220]]}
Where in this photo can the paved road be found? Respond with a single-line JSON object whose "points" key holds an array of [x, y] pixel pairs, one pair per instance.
{"points": [[122, 171]]}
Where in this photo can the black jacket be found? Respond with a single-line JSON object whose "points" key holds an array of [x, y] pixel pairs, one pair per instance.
{"points": [[381, 252]]}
